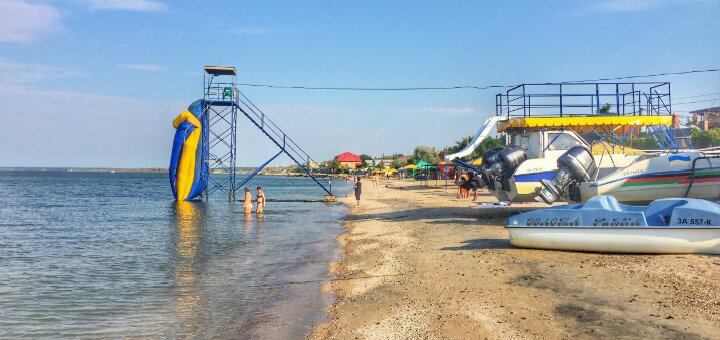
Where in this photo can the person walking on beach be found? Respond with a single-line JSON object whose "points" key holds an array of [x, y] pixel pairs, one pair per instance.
{"points": [[358, 190], [248, 202], [260, 200]]}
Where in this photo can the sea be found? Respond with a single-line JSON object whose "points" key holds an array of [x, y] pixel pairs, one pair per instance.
{"points": [[97, 255]]}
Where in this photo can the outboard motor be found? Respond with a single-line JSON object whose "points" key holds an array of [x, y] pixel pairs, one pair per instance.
{"points": [[489, 158], [574, 166], [504, 168]]}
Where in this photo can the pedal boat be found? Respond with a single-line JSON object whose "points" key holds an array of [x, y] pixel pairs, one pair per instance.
{"points": [[665, 226]]}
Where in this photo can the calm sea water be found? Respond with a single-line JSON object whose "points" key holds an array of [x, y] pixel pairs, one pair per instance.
{"points": [[98, 255]]}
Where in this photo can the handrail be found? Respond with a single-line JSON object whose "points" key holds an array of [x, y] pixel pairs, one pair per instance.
{"points": [[692, 175], [531, 98]]}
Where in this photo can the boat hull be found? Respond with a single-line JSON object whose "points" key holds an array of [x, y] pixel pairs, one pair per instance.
{"points": [[619, 240], [658, 177], [525, 181]]}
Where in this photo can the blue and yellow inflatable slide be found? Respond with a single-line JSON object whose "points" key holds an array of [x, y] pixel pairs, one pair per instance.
{"points": [[188, 172]]}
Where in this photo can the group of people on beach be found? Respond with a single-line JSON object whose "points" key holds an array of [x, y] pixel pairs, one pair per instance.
{"points": [[260, 200], [466, 183]]}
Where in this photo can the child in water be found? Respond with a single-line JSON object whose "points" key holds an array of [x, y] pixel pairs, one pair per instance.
{"points": [[260, 201], [248, 202]]}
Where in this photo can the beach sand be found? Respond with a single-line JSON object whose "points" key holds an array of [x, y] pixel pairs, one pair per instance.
{"points": [[420, 263]]}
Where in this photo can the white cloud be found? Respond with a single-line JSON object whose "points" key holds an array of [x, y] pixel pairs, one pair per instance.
{"points": [[641, 5], [21, 21], [127, 5], [142, 67], [19, 74]]}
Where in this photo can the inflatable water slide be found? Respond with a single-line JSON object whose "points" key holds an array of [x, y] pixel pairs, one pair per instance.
{"points": [[188, 172]]}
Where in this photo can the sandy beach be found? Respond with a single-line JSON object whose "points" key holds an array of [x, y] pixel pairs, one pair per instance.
{"points": [[420, 263]]}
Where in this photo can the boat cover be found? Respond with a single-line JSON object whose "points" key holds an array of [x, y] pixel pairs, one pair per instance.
{"points": [[582, 124]]}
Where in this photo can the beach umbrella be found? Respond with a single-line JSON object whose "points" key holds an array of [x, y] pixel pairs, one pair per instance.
{"points": [[477, 162], [410, 166], [422, 163]]}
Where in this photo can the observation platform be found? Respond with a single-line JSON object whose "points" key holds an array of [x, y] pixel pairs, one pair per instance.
{"points": [[584, 99]]}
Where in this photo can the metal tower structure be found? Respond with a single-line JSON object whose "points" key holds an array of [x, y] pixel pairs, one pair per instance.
{"points": [[220, 128], [222, 103]]}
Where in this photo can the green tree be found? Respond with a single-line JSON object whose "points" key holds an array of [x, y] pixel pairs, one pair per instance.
{"points": [[605, 108], [397, 164], [426, 153], [460, 144], [485, 145], [365, 158], [334, 166], [705, 139]]}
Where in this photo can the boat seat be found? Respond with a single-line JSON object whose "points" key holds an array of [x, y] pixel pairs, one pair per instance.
{"points": [[603, 202]]}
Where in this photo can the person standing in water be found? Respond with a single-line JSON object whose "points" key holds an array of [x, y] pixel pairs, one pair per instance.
{"points": [[260, 200], [248, 202], [358, 190]]}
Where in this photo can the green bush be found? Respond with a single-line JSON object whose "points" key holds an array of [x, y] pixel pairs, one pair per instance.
{"points": [[705, 139], [644, 143]]}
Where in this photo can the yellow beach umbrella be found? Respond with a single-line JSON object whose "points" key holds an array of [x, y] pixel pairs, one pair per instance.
{"points": [[410, 166], [477, 162], [393, 170]]}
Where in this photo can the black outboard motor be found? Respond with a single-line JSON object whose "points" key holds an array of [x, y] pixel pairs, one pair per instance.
{"points": [[489, 158], [503, 169], [574, 166]]}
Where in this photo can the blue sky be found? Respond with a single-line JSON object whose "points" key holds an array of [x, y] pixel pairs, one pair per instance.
{"points": [[97, 83]]}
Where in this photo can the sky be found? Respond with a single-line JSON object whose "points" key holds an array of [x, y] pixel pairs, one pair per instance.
{"points": [[94, 83]]}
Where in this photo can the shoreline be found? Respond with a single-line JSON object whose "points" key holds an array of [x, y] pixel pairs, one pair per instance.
{"points": [[419, 263]]}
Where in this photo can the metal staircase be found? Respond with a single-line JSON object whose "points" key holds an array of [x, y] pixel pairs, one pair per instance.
{"points": [[224, 101]]}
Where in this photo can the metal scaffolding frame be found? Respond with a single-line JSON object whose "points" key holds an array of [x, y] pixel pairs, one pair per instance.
{"points": [[588, 98], [220, 129], [222, 103]]}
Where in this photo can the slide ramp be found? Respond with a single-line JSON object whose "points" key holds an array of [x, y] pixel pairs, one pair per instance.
{"points": [[483, 132]]}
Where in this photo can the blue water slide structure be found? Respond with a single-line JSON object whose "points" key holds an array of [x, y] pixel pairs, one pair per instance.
{"points": [[187, 171]]}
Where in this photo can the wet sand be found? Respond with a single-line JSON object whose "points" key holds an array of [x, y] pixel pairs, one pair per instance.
{"points": [[420, 263]]}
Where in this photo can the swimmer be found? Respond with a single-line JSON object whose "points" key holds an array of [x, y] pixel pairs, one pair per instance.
{"points": [[248, 202], [260, 201]]}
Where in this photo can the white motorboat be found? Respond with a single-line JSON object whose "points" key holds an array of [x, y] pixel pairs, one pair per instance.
{"points": [[692, 174], [543, 121]]}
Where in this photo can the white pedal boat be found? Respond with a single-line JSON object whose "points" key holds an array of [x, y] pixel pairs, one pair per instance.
{"points": [[665, 226]]}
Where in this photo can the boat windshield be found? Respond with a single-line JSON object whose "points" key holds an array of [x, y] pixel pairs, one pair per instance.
{"points": [[562, 141], [521, 141]]}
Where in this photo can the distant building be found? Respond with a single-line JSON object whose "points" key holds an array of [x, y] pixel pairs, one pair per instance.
{"points": [[387, 160], [706, 119], [349, 160]]}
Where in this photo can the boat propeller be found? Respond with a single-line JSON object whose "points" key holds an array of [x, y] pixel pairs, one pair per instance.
{"points": [[574, 166], [489, 158], [506, 163]]}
